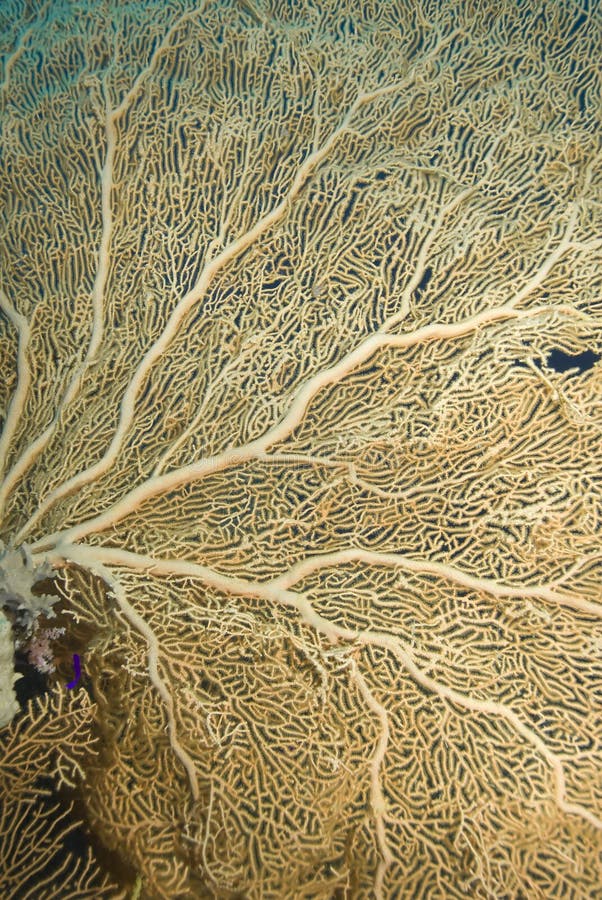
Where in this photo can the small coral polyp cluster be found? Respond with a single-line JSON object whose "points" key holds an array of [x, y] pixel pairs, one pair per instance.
{"points": [[18, 578]]}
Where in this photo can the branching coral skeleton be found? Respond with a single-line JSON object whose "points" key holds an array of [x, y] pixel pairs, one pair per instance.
{"points": [[133, 537]]}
